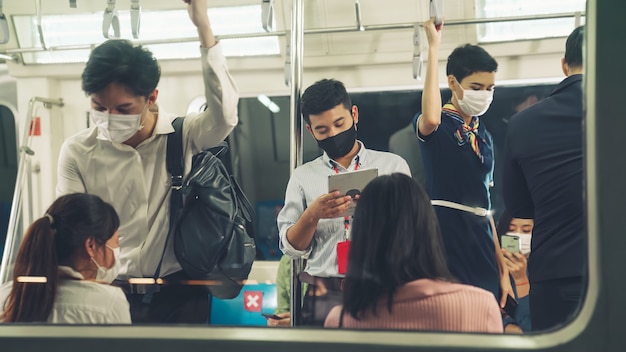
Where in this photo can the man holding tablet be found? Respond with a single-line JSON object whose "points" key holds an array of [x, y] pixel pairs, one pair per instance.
{"points": [[311, 224]]}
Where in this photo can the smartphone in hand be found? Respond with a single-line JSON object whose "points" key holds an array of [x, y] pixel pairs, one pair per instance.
{"points": [[510, 243], [271, 316], [511, 306]]}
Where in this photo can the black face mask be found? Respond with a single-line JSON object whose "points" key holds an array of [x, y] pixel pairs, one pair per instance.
{"points": [[339, 144]]}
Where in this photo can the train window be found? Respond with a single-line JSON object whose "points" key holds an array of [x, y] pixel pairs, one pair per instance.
{"points": [[260, 152], [83, 30], [531, 29]]}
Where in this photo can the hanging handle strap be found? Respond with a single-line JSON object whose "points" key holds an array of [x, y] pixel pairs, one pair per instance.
{"points": [[111, 20], [287, 66], [135, 17], [417, 52], [436, 11], [267, 15]]}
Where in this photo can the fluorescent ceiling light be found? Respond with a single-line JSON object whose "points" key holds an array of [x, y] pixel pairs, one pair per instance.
{"points": [[265, 100]]}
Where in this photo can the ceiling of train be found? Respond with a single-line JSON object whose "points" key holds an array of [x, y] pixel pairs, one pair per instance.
{"points": [[321, 14]]}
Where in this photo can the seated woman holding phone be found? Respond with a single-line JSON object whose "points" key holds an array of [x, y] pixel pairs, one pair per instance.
{"points": [[515, 236], [397, 276]]}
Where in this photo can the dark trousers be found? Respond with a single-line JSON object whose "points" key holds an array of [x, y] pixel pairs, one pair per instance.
{"points": [[318, 301], [173, 303], [555, 302]]}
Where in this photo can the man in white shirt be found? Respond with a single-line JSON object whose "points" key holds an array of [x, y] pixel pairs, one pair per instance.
{"points": [[310, 224], [122, 160]]}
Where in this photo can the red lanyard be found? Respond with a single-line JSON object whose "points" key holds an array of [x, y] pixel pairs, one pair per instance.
{"points": [[346, 220]]}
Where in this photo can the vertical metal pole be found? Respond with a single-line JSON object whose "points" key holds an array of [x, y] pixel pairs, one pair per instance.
{"points": [[13, 238], [297, 38], [23, 175], [295, 127]]}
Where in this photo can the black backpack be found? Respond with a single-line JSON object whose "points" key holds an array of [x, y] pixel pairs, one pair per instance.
{"points": [[209, 230]]}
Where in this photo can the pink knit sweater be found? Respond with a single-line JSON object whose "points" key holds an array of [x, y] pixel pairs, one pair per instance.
{"points": [[431, 305]]}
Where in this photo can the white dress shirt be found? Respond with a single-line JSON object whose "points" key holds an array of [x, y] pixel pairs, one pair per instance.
{"points": [[135, 180], [80, 301], [307, 183]]}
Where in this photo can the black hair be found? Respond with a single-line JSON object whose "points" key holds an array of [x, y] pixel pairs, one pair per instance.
{"points": [[121, 62], [467, 59], [322, 96], [55, 239], [395, 240], [503, 223], [574, 47]]}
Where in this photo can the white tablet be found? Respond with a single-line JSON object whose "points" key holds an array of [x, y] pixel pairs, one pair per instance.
{"points": [[351, 183]]}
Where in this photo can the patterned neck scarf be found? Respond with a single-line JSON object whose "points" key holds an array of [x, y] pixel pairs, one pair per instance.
{"points": [[465, 133]]}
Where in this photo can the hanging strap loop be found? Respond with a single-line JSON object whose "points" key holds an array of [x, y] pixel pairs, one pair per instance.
{"points": [[111, 20], [135, 17], [267, 15]]}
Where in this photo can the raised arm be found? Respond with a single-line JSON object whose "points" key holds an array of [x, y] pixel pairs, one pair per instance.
{"points": [[198, 14], [212, 126], [431, 96]]}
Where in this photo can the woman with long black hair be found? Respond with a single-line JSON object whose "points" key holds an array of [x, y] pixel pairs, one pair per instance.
{"points": [[397, 275]]}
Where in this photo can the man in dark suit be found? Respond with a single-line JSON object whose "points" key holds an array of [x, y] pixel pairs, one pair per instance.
{"points": [[543, 180]]}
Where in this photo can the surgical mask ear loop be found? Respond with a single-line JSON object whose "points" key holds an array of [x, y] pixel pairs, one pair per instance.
{"points": [[105, 274], [458, 84]]}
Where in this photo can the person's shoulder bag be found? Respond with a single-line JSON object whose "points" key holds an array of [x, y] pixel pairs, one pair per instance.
{"points": [[209, 226]]}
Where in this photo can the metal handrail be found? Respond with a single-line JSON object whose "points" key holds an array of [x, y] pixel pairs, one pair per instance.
{"points": [[295, 127], [345, 29], [24, 154]]}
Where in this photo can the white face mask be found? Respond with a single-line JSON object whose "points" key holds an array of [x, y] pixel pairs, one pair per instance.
{"points": [[474, 102], [105, 274], [524, 241], [116, 127]]}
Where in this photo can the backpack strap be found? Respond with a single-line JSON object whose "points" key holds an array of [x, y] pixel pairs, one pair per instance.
{"points": [[219, 150], [175, 162], [174, 157]]}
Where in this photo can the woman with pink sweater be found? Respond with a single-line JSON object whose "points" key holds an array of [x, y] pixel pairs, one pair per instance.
{"points": [[397, 274]]}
